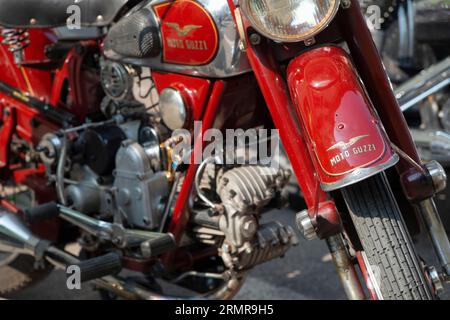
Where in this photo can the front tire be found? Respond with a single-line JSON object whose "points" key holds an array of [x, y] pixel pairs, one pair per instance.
{"points": [[389, 252]]}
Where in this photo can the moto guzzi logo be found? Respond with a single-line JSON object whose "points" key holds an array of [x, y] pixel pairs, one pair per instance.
{"points": [[183, 32], [347, 151], [345, 145]]}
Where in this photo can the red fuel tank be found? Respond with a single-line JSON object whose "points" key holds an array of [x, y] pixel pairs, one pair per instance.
{"points": [[189, 33], [346, 138]]}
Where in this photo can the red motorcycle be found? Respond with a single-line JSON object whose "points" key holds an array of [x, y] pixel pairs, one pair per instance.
{"points": [[97, 97]]}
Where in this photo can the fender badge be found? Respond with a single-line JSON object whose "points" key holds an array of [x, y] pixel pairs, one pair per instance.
{"points": [[345, 145]]}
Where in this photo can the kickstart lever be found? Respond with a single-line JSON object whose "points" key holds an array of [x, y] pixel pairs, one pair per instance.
{"points": [[151, 243], [15, 237]]}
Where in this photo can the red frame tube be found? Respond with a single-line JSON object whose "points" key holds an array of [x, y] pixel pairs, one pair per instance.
{"points": [[180, 215], [276, 94]]}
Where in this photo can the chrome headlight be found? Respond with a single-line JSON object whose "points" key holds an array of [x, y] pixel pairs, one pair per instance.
{"points": [[289, 20]]}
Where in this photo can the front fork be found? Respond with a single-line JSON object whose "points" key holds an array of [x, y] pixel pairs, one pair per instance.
{"points": [[321, 219], [419, 182]]}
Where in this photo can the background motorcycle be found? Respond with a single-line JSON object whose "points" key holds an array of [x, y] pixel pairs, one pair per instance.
{"points": [[88, 124], [414, 42]]}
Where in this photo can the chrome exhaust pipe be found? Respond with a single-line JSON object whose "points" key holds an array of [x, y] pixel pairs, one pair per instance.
{"points": [[423, 85], [15, 237]]}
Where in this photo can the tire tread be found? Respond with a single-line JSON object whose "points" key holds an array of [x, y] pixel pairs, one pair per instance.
{"points": [[385, 239]]}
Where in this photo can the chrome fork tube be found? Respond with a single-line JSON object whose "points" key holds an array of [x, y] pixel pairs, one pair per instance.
{"points": [[345, 268], [437, 232]]}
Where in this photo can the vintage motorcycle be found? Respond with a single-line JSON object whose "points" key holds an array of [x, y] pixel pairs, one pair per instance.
{"points": [[414, 43], [91, 118]]}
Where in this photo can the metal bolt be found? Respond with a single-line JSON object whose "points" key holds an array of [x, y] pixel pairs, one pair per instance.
{"points": [[242, 45], [305, 225], [436, 279], [270, 193], [250, 227], [309, 42], [287, 173], [255, 39], [117, 241], [438, 175], [226, 248], [346, 4], [138, 193]]}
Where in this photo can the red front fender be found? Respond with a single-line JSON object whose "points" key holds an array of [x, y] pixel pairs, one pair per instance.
{"points": [[345, 135]]}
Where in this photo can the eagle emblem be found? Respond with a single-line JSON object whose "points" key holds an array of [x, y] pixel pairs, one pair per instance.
{"points": [[182, 32], [345, 145]]}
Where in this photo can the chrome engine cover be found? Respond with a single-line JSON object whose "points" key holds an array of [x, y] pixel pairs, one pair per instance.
{"points": [[229, 60]]}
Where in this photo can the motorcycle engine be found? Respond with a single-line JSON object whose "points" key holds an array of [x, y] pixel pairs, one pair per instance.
{"points": [[244, 191], [116, 167], [119, 169]]}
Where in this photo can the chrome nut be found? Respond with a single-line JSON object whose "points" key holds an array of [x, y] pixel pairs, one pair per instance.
{"points": [[436, 279], [305, 225], [249, 227], [438, 175]]}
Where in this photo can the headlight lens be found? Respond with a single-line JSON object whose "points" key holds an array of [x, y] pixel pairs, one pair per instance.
{"points": [[289, 20]]}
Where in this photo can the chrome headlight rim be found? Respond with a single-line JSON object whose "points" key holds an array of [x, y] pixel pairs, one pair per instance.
{"points": [[331, 14]]}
